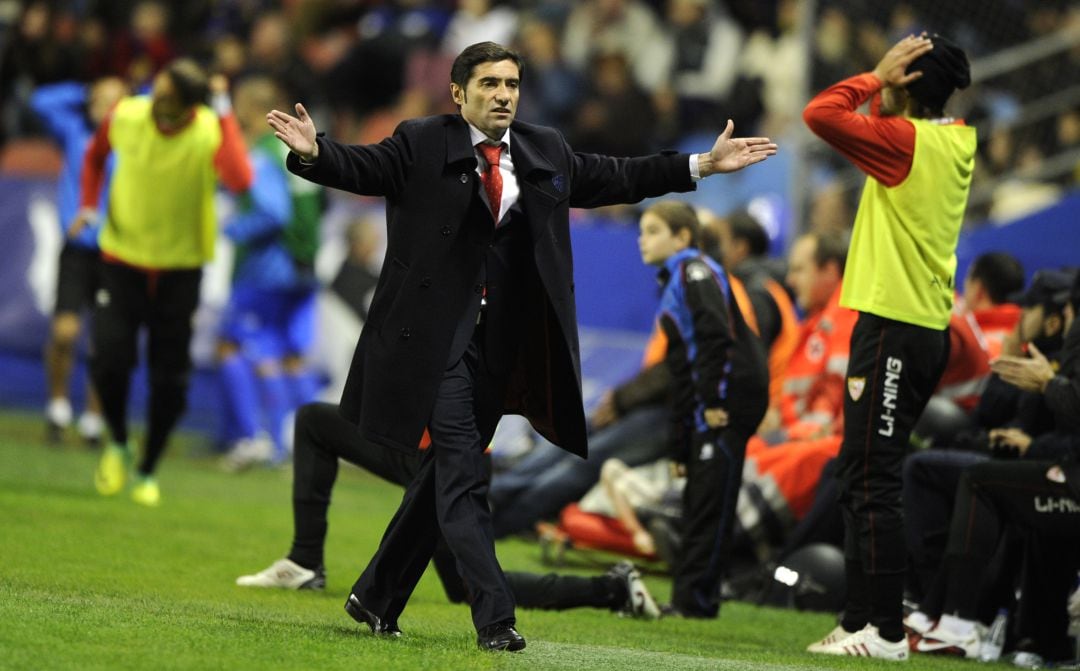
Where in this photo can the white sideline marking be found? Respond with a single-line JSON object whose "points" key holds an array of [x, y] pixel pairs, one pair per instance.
{"points": [[574, 657]]}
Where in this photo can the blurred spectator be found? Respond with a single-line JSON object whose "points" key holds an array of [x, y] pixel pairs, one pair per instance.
{"points": [[601, 27], [778, 62], [139, 52], [479, 21], [697, 64], [550, 88], [230, 56], [372, 73], [1025, 190], [271, 52], [32, 56], [614, 105]]}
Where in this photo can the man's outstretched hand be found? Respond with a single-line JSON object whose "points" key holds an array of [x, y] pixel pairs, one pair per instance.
{"points": [[734, 153], [297, 132]]}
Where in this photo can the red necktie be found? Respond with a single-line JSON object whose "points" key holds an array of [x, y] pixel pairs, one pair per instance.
{"points": [[491, 178]]}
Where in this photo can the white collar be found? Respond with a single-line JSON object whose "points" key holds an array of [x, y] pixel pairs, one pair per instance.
{"points": [[477, 137]]}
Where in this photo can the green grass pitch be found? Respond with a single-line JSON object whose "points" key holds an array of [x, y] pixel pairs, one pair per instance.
{"points": [[94, 583]]}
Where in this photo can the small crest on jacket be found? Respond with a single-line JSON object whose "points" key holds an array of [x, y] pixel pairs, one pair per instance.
{"points": [[559, 182], [855, 387], [697, 271]]}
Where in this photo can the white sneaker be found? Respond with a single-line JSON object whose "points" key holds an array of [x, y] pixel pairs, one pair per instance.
{"points": [[90, 426], [942, 641], [917, 624], [639, 602], [837, 634], [867, 642], [248, 452], [285, 574], [59, 412]]}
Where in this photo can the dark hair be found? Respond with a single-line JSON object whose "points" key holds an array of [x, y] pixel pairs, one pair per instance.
{"points": [[192, 84], [1000, 273], [482, 52], [944, 69], [745, 226], [830, 246], [679, 217]]}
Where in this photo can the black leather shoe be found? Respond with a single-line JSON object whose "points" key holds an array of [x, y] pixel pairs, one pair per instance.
{"points": [[356, 610], [500, 637]]}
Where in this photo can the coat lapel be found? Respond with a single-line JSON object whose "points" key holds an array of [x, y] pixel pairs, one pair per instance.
{"points": [[458, 147], [542, 188]]}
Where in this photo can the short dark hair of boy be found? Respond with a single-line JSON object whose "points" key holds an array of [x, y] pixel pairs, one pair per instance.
{"points": [[679, 217], [192, 84], [744, 226], [482, 52], [831, 246], [1000, 273]]}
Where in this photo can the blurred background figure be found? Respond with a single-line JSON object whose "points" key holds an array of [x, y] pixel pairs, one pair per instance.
{"points": [[479, 21], [159, 231], [269, 323], [72, 112], [343, 305]]}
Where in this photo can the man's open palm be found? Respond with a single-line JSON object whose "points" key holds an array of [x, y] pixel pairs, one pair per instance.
{"points": [[297, 132], [730, 154]]}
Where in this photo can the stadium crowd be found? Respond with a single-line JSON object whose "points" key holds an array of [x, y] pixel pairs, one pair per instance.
{"points": [[990, 479], [671, 69]]}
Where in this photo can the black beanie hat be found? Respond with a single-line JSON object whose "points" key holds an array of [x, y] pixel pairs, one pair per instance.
{"points": [[944, 69]]}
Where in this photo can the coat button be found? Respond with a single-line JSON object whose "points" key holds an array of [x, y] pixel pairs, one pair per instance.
{"points": [[426, 282], [464, 178], [405, 333], [445, 230]]}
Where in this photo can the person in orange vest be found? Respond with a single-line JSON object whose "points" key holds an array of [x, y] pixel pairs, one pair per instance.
{"points": [[803, 430], [742, 244]]}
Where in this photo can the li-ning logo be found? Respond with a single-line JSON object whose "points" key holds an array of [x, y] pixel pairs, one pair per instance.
{"points": [[1061, 504], [893, 366]]}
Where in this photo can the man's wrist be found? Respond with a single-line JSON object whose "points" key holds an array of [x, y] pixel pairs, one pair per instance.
{"points": [[704, 166], [313, 158]]}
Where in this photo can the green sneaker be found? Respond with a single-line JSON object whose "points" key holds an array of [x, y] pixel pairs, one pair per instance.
{"points": [[111, 471], [146, 491]]}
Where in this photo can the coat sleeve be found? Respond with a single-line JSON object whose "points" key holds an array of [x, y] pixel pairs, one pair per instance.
{"points": [[369, 170], [712, 332], [605, 180]]}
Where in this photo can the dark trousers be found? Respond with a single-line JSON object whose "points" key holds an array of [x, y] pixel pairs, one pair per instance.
{"points": [[323, 437], [164, 302], [991, 495], [892, 371], [448, 495], [931, 479], [713, 476]]}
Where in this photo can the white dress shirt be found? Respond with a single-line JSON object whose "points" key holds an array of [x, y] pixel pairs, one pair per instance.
{"points": [[510, 189]]}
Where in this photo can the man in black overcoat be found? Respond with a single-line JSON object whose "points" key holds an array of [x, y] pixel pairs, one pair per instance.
{"points": [[473, 316]]}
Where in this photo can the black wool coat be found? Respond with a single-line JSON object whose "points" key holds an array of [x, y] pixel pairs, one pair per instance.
{"points": [[435, 249]]}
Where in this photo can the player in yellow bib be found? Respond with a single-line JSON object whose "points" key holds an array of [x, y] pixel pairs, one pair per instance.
{"points": [[900, 278]]}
